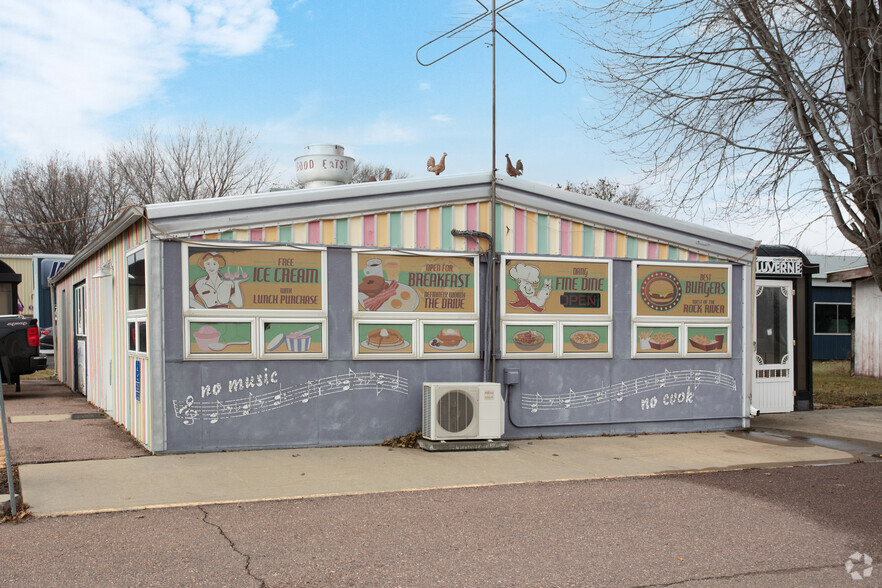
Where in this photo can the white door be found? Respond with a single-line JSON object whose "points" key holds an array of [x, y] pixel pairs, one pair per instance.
{"points": [[107, 346], [773, 389]]}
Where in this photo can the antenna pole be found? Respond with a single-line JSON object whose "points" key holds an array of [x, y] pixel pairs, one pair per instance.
{"points": [[491, 265]]}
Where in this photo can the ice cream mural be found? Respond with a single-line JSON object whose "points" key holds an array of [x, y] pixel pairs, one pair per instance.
{"points": [[265, 279]]}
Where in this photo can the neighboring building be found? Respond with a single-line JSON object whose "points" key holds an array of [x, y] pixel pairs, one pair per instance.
{"points": [[832, 307], [313, 317], [867, 305], [782, 362], [32, 298], [24, 297]]}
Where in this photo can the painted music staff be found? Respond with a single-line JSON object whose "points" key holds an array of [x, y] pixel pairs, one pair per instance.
{"points": [[215, 410], [569, 399]]}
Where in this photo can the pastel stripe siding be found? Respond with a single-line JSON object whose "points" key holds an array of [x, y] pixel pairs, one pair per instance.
{"points": [[518, 230]]}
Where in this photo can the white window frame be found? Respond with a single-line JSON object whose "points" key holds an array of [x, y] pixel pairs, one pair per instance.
{"points": [[418, 318], [559, 321], [137, 316], [815, 317], [680, 322], [257, 317], [81, 323]]}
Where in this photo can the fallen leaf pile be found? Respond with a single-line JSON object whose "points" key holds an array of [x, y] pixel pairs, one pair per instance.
{"points": [[405, 441]]}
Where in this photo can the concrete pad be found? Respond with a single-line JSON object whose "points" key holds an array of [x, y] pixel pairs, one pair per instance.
{"points": [[863, 423], [244, 476], [54, 418]]}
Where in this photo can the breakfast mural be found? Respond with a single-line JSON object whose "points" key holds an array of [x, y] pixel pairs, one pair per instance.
{"points": [[267, 279], [683, 291], [556, 287], [402, 283]]}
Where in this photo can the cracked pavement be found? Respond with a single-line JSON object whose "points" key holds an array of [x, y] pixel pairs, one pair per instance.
{"points": [[793, 526]]}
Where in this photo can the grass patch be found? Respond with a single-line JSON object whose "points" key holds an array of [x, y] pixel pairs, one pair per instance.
{"points": [[40, 375], [833, 385]]}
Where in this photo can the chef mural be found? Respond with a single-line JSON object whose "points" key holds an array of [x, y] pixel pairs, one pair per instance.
{"points": [[556, 287]]}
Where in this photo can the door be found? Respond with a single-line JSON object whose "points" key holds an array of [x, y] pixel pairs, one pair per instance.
{"points": [[773, 347], [107, 347], [80, 322]]}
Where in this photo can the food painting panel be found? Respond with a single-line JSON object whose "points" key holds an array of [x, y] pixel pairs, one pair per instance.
{"points": [[385, 338], [587, 339], [293, 338], [529, 338], [442, 338], [219, 338], [707, 340], [657, 339]]}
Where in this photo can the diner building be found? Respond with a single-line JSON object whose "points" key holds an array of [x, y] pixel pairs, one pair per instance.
{"points": [[314, 317]]}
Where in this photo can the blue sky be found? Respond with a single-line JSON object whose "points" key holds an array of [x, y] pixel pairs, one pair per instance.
{"points": [[78, 75]]}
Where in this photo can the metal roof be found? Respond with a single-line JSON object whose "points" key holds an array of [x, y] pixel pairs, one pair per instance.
{"points": [[255, 210]]}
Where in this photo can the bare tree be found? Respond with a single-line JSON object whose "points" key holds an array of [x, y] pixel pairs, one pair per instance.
{"points": [[369, 172], [611, 192], [734, 100], [195, 162], [55, 206]]}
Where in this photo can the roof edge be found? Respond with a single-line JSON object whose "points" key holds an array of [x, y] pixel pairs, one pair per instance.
{"points": [[849, 275], [129, 216]]}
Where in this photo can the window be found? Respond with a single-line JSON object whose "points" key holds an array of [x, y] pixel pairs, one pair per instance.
{"points": [[681, 310], [136, 319], [137, 280], [415, 305], [555, 307], [80, 309], [254, 302], [832, 319], [7, 304]]}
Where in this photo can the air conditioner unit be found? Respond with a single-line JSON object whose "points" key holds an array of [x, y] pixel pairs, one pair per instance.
{"points": [[462, 410]]}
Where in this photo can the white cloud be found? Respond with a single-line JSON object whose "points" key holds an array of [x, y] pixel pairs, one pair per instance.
{"points": [[425, 86], [66, 66], [441, 118]]}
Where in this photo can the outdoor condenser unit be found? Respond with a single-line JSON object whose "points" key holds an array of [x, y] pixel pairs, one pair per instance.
{"points": [[462, 410]]}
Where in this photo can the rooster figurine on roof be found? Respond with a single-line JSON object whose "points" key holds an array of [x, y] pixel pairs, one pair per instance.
{"points": [[514, 170], [430, 165]]}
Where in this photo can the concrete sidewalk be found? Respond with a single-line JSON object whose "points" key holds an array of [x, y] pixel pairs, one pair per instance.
{"points": [[243, 476]]}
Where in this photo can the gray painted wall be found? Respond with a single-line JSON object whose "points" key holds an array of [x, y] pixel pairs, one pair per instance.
{"points": [[339, 401]]}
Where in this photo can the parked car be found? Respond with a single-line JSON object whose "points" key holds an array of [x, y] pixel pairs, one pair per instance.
{"points": [[19, 346], [46, 340]]}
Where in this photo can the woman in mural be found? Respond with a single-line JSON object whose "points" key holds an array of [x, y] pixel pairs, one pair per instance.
{"points": [[212, 290]]}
